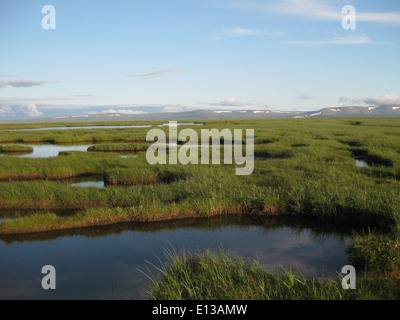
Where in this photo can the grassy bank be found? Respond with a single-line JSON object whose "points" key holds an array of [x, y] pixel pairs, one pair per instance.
{"points": [[66, 165], [211, 276], [119, 147], [282, 190], [304, 167], [59, 136], [15, 149]]}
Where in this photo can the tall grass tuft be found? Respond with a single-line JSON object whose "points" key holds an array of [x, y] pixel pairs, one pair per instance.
{"points": [[218, 276]]}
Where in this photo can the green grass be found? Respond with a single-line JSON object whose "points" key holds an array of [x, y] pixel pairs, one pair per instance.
{"points": [[305, 168], [67, 165], [119, 147], [211, 276], [15, 149], [377, 254], [73, 136]]}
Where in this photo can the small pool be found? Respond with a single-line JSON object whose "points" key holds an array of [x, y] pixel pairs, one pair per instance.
{"points": [[361, 163], [49, 150], [104, 262], [89, 183]]}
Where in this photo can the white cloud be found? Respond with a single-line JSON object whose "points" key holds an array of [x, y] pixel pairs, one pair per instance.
{"points": [[348, 40], [22, 83], [123, 111], [29, 109], [238, 31], [242, 32], [5, 111], [32, 110], [314, 9], [305, 96], [388, 17], [230, 102], [344, 99], [386, 99], [156, 73], [172, 109]]}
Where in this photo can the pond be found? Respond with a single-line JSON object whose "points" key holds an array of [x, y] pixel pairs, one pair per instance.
{"points": [[49, 150], [361, 163], [52, 150], [104, 263], [86, 182], [129, 155]]}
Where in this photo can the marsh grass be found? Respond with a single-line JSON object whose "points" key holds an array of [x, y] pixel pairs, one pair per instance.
{"points": [[119, 147], [219, 276], [69, 164], [373, 159], [377, 254], [15, 149], [307, 170]]}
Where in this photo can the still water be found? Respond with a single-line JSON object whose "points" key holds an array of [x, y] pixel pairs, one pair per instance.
{"points": [[52, 150], [49, 150], [103, 263], [87, 182], [361, 163]]}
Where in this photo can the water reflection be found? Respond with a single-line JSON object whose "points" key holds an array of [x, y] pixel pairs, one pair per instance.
{"points": [[361, 163], [50, 150], [87, 182], [102, 263], [129, 155]]}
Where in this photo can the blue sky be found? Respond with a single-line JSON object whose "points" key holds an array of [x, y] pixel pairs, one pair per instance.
{"points": [[149, 56]]}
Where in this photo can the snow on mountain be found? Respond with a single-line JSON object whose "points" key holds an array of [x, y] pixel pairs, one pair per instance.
{"points": [[339, 112]]}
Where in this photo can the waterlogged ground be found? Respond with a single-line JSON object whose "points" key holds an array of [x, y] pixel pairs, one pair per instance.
{"points": [[87, 182], [330, 170], [103, 263], [50, 150]]}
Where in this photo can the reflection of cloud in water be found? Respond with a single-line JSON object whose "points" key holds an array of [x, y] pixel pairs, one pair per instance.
{"points": [[11, 289], [50, 150], [296, 251], [105, 267]]}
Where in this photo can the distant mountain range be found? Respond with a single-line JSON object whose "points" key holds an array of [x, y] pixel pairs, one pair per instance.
{"points": [[340, 112]]}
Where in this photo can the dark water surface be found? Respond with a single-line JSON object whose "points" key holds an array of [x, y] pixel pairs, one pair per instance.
{"points": [[103, 263]]}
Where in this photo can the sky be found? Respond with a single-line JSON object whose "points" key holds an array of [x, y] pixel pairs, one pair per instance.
{"points": [[166, 56]]}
